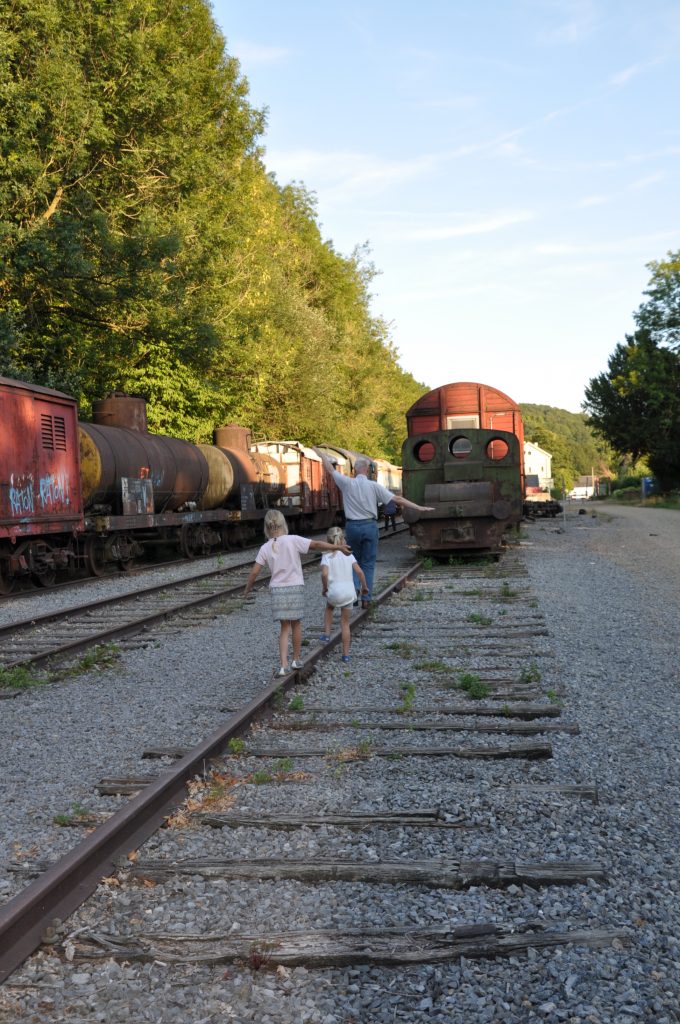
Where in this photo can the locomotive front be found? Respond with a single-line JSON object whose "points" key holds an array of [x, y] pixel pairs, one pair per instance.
{"points": [[471, 478], [464, 457]]}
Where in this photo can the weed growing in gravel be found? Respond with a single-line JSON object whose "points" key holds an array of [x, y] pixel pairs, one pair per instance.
{"points": [[408, 692], [296, 703], [477, 690], [533, 603], [403, 648], [432, 666], [422, 595], [20, 678], [102, 656], [552, 696], [530, 673], [236, 745], [283, 765], [478, 619], [77, 811], [261, 777], [466, 679]]}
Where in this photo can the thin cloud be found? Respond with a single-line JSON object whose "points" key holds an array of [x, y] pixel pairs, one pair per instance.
{"points": [[255, 54], [622, 77], [344, 175], [476, 227], [579, 24]]}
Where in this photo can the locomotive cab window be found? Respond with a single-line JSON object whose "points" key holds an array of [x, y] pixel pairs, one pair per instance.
{"points": [[497, 449], [462, 422], [460, 447]]}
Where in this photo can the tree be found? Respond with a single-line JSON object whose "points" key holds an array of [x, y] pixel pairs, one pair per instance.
{"points": [[660, 315], [143, 246], [636, 404]]}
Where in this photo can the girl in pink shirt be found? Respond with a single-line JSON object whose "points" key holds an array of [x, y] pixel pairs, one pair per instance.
{"points": [[286, 585]]}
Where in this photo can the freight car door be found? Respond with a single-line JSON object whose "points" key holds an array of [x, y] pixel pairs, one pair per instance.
{"points": [[55, 462]]}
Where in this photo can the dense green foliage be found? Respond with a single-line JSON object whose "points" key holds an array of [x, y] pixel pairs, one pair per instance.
{"points": [[635, 405], [575, 449], [660, 313], [144, 248]]}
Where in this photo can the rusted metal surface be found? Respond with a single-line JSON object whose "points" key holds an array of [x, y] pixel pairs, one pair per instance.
{"points": [[475, 493], [177, 470], [39, 462], [121, 410], [67, 884]]}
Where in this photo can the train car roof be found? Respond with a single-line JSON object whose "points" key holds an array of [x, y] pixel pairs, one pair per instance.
{"points": [[22, 385], [428, 399]]}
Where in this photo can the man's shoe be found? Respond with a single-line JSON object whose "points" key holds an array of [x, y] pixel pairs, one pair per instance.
{"points": [[365, 602]]}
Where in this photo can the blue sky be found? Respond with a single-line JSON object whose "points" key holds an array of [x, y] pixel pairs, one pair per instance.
{"points": [[513, 165]]}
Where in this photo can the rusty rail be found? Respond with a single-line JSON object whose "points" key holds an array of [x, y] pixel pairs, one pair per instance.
{"points": [[67, 884]]}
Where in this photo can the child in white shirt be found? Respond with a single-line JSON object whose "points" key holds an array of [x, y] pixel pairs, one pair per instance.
{"points": [[286, 585], [338, 586]]}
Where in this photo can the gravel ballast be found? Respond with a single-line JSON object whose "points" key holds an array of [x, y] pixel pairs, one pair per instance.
{"points": [[607, 587]]}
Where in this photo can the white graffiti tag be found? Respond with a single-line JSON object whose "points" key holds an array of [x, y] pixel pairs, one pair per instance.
{"points": [[21, 500], [54, 490]]}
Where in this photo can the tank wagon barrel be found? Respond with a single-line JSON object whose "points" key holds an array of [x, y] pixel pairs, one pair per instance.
{"points": [[77, 493]]}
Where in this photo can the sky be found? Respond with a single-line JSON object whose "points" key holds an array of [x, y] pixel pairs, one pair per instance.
{"points": [[512, 165]]}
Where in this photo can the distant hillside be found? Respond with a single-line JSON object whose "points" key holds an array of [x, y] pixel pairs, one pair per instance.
{"points": [[574, 448]]}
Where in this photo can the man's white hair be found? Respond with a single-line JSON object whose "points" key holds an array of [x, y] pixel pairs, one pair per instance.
{"points": [[361, 462]]}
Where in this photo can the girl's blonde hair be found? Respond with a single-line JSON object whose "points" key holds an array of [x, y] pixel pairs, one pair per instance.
{"points": [[274, 521], [335, 536]]}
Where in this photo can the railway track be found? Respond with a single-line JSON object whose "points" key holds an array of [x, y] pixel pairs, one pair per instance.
{"points": [[387, 805], [42, 639]]}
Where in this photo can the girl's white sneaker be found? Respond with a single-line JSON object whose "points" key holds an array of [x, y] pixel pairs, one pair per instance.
{"points": [[296, 664]]}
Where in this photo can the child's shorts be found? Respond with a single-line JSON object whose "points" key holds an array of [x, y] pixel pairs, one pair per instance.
{"points": [[343, 597], [288, 603]]}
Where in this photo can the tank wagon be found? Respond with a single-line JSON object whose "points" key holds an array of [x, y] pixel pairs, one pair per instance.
{"points": [[463, 456], [99, 494]]}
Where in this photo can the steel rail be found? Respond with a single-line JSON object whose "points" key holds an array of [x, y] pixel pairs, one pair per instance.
{"points": [[60, 890]]}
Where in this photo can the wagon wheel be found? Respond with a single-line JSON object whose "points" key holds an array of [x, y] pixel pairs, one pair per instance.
{"points": [[187, 542], [7, 582], [94, 556], [127, 563], [45, 574], [45, 577]]}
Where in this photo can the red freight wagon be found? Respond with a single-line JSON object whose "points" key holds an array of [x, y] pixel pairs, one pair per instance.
{"points": [[466, 405], [39, 463]]}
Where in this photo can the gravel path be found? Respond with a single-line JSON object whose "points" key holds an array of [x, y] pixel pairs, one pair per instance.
{"points": [[607, 585]]}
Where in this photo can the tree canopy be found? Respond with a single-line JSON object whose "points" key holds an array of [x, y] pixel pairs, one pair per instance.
{"points": [[660, 314], [145, 248], [636, 404], [575, 450]]}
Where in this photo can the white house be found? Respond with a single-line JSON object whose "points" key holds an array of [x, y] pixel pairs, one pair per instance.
{"points": [[537, 467]]}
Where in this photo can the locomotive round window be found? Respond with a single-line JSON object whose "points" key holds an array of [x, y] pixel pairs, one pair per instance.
{"points": [[497, 449], [424, 451], [460, 447]]}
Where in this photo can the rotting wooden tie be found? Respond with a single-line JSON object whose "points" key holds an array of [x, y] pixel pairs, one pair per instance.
{"points": [[438, 873], [327, 948]]}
